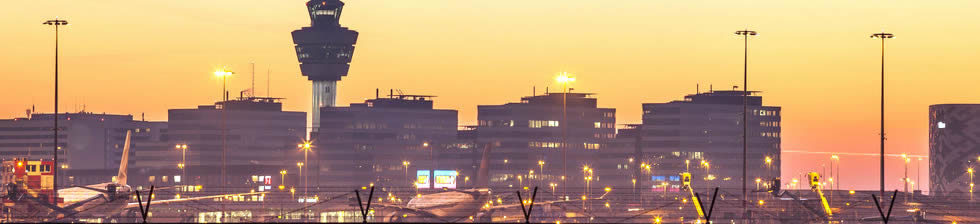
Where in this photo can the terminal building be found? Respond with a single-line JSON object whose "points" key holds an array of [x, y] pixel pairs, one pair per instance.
{"points": [[250, 136], [530, 136], [394, 141], [954, 148], [90, 144], [702, 134]]}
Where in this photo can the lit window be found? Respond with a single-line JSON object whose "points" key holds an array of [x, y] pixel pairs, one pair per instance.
{"points": [[941, 125], [598, 125], [591, 145], [540, 124]]}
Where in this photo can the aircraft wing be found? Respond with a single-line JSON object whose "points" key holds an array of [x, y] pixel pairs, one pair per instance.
{"points": [[168, 201]]}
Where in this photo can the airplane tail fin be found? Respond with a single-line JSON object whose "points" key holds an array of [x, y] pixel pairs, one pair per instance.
{"points": [[483, 175], [124, 162]]}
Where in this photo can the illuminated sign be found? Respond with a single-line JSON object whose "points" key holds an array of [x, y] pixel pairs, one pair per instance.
{"points": [[422, 178], [445, 178]]}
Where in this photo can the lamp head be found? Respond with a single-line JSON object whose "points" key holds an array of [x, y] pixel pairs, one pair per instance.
{"points": [[882, 35], [745, 33]]}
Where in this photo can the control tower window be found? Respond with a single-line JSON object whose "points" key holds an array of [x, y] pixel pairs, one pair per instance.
{"points": [[327, 12]]}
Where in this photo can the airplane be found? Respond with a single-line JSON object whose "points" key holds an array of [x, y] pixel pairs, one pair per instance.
{"points": [[104, 200], [454, 205]]}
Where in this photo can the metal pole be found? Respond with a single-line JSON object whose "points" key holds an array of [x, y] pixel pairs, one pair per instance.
{"points": [[56, 168], [224, 139], [306, 179], [564, 136], [882, 177], [745, 124], [183, 160], [56, 23]]}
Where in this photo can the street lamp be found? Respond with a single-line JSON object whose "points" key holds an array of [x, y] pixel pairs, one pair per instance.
{"points": [[970, 170], [306, 146], [906, 178], [836, 158], [300, 165], [541, 165], [745, 115], [183, 159], [882, 36], [564, 79], [221, 73], [406, 163], [282, 181], [687, 165], [224, 135], [56, 23]]}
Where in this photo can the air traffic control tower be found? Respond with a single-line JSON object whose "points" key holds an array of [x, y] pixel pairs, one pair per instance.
{"points": [[324, 50]]}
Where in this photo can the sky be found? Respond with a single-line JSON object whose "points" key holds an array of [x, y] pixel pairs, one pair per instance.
{"points": [[812, 58]]}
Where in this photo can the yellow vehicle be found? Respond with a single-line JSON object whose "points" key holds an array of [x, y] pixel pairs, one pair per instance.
{"points": [[815, 184], [686, 185]]}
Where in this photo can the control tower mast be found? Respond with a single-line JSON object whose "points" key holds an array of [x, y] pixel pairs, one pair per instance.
{"points": [[324, 50]]}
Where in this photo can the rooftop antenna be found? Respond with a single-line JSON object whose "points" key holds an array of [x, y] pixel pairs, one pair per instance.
{"points": [[252, 93], [377, 93], [711, 88], [546, 90], [697, 88], [268, 82], [534, 90]]}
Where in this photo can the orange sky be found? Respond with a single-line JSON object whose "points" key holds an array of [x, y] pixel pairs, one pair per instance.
{"points": [[813, 58]]}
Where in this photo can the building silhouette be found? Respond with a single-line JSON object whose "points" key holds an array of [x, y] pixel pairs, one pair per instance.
{"points": [[386, 141], [954, 148], [324, 50], [531, 130], [702, 134], [261, 140], [91, 144]]}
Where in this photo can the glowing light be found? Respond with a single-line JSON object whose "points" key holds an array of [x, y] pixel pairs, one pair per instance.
{"points": [[563, 78], [762, 202], [850, 192], [222, 73]]}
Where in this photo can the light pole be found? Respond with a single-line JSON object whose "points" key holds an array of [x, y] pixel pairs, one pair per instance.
{"points": [[306, 146], [541, 168], [970, 170], [564, 80], [906, 178], [56, 23], [300, 165], [745, 116], [837, 159], [224, 137], [687, 165], [183, 160], [882, 36], [406, 163], [282, 181]]}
